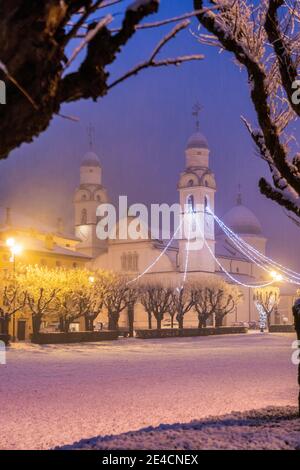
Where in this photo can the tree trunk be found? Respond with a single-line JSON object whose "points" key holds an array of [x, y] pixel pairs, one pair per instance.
{"points": [[268, 320], [113, 320], [67, 324], [172, 321], [61, 324], [180, 321], [201, 322], [36, 324], [158, 321], [130, 313], [149, 321], [4, 325], [219, 321], [89, 323]]}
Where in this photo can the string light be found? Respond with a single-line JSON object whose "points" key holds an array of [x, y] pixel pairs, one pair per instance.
{"points": [[257, 257], [235, 280], [158, 257]]}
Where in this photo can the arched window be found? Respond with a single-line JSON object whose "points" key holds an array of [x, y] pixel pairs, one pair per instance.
{"points": [[190, 203], [191, 183], [98, 198], [206, 203], [83, 217], [83, 197]]}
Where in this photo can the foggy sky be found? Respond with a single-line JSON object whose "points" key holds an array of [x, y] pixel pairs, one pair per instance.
{"points": [[141, 131]]}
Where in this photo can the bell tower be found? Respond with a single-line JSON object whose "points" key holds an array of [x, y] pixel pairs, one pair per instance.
{"points": [[197, 187], [89, 194]]}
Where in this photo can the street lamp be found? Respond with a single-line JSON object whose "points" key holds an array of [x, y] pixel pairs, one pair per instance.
{"points": [[276, 276], [15, 250]]}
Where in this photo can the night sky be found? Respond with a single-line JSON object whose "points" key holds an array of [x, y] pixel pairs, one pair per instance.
{"points": [[141, 131]]}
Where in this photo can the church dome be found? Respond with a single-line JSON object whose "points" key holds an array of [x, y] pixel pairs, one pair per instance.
{"points": [[90, 159], [242, 221], [197, 141]]}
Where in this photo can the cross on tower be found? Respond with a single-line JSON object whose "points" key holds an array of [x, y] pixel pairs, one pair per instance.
{"points": [[197, 108], [239, 196], [91, 136]]}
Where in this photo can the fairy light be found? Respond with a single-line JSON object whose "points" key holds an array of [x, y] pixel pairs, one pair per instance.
{"points": [[235, 280], [158, 257], [257, 257], [258, 254]]}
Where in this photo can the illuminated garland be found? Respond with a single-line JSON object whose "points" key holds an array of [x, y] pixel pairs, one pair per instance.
{"points": [[158, 257], [256, 256], [232, 278]]}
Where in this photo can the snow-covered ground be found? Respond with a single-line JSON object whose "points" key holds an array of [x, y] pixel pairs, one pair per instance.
{"points": [[56, 395], [268, 429]]}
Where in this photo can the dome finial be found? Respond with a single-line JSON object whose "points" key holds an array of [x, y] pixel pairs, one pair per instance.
{"points": [[239, 196], [197, 108]]}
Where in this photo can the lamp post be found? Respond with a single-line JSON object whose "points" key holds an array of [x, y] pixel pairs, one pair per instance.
{"points": [[15, 250]]}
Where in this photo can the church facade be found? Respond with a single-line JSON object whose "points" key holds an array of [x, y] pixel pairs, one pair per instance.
{"points": [[216, 257]]}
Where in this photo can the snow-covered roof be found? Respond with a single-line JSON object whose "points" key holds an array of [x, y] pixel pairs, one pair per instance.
{"points": [[242, 220], [91, 159], [197, 141], [20, 221]]}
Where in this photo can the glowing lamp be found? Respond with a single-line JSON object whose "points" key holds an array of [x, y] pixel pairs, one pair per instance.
{"points": [[276, 276], [10, 242], [16, 250]]}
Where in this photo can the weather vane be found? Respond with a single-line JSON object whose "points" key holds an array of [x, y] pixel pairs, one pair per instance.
{"points": [[91, 136], [197, 108]]}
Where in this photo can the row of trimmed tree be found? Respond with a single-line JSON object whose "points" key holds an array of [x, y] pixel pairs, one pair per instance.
{"points": [[64, 296]]}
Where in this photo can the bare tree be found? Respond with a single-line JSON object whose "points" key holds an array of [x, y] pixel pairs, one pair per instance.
{"points": [[116, 300], [205, 300], [264, 38], [35, 40], [182, 302], [156, 300], [12, 300], [268, 299]]}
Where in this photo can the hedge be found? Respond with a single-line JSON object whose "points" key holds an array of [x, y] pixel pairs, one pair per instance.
{"points": [[76, 337], [282, 329], [188, 332]]}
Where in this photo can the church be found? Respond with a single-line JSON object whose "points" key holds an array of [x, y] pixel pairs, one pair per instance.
{"points": [[166, 262]]}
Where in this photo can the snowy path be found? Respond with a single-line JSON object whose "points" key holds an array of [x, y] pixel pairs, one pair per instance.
{"points": [[55, 395]]}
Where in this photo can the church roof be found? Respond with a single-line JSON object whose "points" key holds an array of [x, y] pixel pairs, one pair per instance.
{"points": [[242, 220], [91, 159], [197, 141]]}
